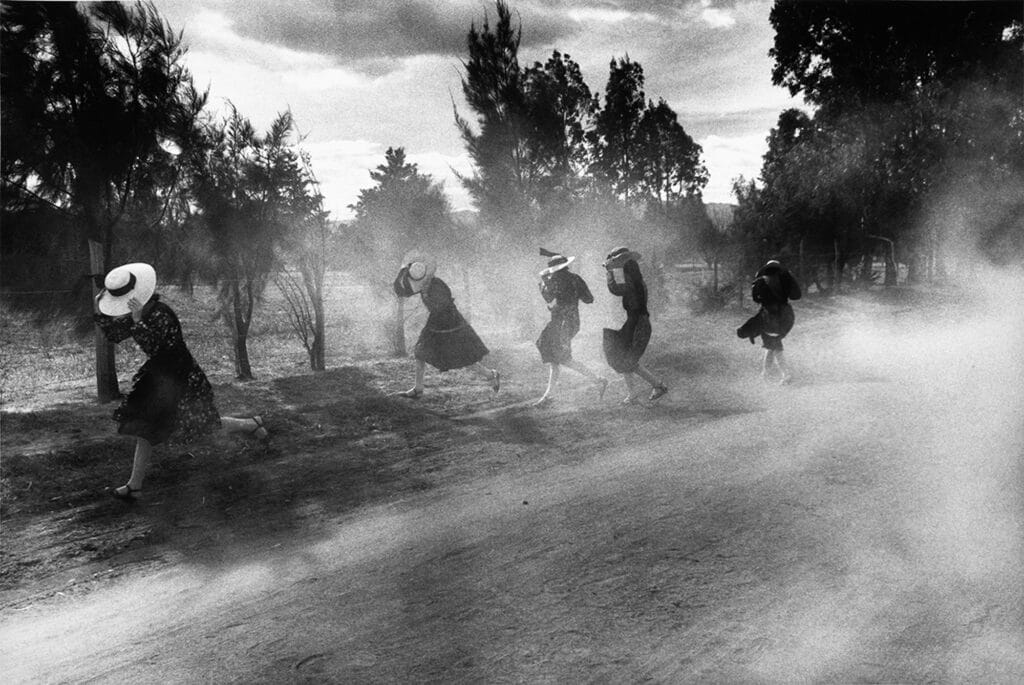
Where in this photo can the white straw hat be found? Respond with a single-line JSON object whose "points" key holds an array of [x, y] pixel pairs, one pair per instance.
{"points": [[419, 273], [136, 280], [557, 263]]}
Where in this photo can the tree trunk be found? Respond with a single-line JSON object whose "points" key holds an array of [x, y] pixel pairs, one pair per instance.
{"points": [[867, 267], [317, 361], [398, 329], [243, 371], [801, 273], [106, 369], [837, 269]]}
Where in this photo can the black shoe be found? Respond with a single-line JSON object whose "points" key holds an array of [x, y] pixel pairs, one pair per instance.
{"points": [[658, 393], [125, 493]]}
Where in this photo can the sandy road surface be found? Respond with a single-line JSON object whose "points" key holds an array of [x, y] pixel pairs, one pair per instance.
{"points": [[864, 530]]}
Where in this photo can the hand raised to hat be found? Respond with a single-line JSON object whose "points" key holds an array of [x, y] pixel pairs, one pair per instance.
{"points": [[138, 309]]}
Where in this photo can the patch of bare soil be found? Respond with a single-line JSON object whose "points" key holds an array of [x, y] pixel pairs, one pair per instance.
{"points": [[340, 441], [862, 524]]}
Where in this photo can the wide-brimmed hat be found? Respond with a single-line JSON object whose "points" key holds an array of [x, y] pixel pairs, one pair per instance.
{"points": [[619, 256], [557, 263], [136, 280], [418, 273]]}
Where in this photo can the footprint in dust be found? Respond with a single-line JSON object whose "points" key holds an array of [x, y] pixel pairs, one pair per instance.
{"points": [[313, 662], [751, 650]]}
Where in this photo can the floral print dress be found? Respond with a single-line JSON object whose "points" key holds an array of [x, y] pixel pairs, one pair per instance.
{"points": [[170, 395]]}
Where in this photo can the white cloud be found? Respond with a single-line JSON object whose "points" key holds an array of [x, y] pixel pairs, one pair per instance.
{"points": [[727, 158], [607, 16], [212, 31], [717, 18]]}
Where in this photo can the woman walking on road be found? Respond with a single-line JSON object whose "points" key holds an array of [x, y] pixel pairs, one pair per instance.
{"points": [[170, 396], [447, 341], [773, 288], [624, 347], [563, 291]]}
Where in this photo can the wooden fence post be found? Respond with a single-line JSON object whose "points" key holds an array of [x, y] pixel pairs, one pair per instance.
{"points": [[106, 370]]}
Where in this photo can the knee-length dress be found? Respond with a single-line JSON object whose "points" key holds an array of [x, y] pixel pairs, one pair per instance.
{"points": [[170, 395], [624, 347], [773, 289], [564, 290], [447, 341]]}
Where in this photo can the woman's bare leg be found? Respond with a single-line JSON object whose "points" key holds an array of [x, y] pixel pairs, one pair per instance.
{"points": [[553, 372], [783, 367], [644, 373], [140, 464], [583, 370], [766, 365], [632, 395], [417, 389], [658, 387]]}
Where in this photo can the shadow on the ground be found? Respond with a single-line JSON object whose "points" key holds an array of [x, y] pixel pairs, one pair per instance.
{"points": [[340, 440]]}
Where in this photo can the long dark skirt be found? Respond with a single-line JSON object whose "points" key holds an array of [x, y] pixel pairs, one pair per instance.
{"points": [[170, 397], [555, 341], [623, 348], [451, 347]]}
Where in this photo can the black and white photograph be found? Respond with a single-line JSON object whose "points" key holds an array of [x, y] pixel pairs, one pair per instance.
{"points": [[512, 341]]}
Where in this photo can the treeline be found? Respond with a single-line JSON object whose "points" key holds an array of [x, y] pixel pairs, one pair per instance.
{"points": [[111, 154], [914, 151]]}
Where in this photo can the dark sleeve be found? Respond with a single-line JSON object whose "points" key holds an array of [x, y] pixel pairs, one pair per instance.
{"points": [[399, 284], [437, 296], [546, 291], [790, 286], [638, 287], [441, 291], [160, 330], [617, 289], [115, 329], [582, 291]]}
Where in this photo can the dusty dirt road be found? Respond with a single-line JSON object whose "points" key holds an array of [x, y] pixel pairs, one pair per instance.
{"points": [[862, 526]]}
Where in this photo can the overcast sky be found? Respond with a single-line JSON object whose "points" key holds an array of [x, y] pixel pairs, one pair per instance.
{"points": [[362, 75]]}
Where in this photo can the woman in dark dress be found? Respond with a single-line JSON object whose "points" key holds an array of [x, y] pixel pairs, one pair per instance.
{"points": [[624, 347], [447, 341], [171, 397], [563, 291], [773, 288]]}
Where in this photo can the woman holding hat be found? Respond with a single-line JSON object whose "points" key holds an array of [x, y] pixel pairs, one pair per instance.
{"points": [[563, 291], [623, 348], [447, 341], [170, 395]]}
